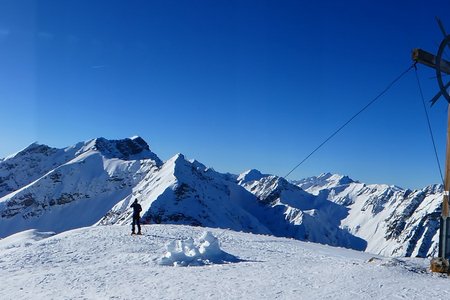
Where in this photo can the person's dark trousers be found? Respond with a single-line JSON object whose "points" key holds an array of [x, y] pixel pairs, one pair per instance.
{"points": [[136, 221]]}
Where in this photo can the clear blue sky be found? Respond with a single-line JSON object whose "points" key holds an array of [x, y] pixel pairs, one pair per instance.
{"points": [[234, 84]]}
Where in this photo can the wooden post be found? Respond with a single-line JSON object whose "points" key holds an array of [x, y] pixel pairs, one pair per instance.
{"points": [[444, 245], [423, 57], [441, 264]]}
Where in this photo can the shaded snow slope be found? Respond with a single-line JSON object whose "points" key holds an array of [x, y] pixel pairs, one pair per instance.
{"points": [[106, 262]]}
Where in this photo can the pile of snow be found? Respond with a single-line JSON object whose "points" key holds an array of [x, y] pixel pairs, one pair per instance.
{"points": [[205, 250]]}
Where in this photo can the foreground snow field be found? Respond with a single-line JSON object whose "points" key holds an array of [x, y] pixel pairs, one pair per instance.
{"points": [[105, 262]]}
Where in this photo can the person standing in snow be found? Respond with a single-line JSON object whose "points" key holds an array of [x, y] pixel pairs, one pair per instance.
{"points": [[137, 208]]}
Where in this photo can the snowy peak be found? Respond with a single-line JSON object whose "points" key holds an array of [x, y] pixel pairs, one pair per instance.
{"points": [[29, 164], [34, 149], [274, 190], [434, 189], [125, 149], [250, 175], [325, 180], [184, 192], [60, 189], [191, 170], [198, 164], [334, 179], [181, 167]]}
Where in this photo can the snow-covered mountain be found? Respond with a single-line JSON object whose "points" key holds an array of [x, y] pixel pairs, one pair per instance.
{"points": [[392, 220], [61, 189], [292, 212], [185, 192], [94, 183]]}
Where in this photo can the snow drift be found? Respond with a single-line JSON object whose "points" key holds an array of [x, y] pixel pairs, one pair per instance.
{"points": [[204, 250]]}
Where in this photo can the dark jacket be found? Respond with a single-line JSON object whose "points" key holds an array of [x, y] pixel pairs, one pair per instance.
{"points": [[137, 208]]}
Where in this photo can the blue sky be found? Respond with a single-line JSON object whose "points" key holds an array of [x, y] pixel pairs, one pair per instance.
{"points": [[234, 84]]}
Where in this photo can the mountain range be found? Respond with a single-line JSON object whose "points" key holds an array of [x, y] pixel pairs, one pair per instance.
{"points": [[94, 183]]}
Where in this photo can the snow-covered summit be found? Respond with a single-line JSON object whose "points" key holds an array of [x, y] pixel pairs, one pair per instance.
{"points": [[250, 175], [29, 164], [126, 149], [36, 160], [324, 180], [34, 148], [183, 192], [59, 189]]}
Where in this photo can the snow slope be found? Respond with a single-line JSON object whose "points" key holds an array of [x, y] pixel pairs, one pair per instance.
{"points": [[105, 262]]}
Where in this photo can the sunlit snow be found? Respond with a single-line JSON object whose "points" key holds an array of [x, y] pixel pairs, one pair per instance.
{"points": [[106, 262]]}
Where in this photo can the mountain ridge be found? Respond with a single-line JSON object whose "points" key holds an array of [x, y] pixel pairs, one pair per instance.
{"points": [[94, 183]]}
